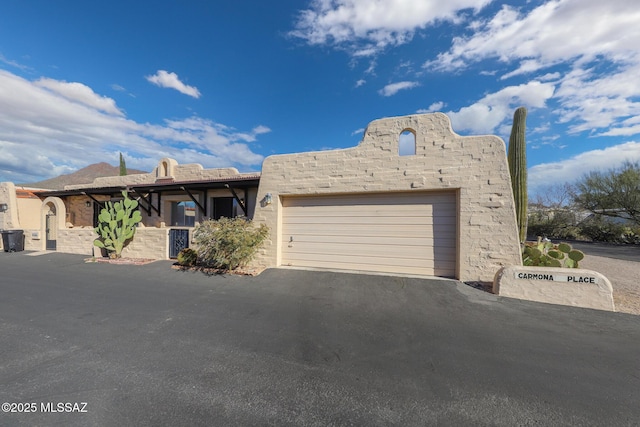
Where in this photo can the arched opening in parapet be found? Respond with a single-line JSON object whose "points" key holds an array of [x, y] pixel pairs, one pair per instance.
{"points": [[407, 143]]}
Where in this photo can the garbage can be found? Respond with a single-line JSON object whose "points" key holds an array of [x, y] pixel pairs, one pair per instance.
{"points": [[13, 240]]}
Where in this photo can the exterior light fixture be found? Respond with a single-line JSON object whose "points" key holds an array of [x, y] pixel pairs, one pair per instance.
{"points": [[3, 207], [87, 204], [268, 199]]}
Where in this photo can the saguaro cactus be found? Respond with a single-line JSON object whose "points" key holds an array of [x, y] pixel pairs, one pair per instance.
{"points": [[517, 157], [117, 225], [123, 166]]}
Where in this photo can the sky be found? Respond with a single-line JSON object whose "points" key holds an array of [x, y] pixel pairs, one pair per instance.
{"points": [[228, 83]]}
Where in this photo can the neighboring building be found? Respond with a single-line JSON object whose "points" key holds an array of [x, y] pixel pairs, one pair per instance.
{"points": [[172, 198], [434, 204]]}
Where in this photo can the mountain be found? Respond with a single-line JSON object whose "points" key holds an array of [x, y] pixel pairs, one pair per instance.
{"points": [[82, 176]]}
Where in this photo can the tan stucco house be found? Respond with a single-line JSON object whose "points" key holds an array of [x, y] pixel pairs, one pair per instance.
{"points": [[438, 205], [173, 198]]}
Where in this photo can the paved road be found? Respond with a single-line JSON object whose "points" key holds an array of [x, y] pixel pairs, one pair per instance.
{"points": [[147, 345], [623, 252]]}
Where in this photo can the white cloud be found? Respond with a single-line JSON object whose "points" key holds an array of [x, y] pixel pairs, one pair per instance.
{"points": [[599, 101], [357, 132], [170, 80], [360, 82], [487, 114], [595, 42], [436, 106], [548, 35], [12, 63], [393, 88], [77, 92], [45, 132], [574, 168], [366, 27]]}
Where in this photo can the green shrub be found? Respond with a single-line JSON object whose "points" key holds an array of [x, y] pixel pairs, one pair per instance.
{"points": [[599, 229], [187, 257], [228, 243], [546, 254], [558, 225]]}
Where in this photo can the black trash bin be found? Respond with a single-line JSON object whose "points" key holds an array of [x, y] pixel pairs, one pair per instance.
{"points": [[13, 240]]}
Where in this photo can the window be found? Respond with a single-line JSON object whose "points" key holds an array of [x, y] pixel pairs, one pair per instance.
{"points": [[407, 143], [223, 207], [183, 214], [96, 213]]}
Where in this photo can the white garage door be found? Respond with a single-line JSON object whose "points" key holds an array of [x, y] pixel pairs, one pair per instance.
{"points": [[411, 233]]}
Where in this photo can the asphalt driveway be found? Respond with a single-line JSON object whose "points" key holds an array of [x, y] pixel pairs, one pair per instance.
{"points": [[147, 345]]}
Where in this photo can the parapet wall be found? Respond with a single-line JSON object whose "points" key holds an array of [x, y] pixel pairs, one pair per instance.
{"points": [[474, 166]]}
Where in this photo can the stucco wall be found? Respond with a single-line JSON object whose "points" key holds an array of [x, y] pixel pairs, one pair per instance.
{"points": [[147, 242], [76, 240], [476, 167], [8, 218], [29, 212]]}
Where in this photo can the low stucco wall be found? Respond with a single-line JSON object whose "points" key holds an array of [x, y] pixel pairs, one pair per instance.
{"points": [[76, 240], [475, 167], [564, 286], [147, 243]]}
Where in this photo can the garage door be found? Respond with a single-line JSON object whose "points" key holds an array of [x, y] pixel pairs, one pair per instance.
{"points": [[411, 233]]}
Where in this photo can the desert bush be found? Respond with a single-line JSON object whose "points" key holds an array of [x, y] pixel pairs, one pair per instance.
{"points": [[600, 229], [559, 226], [187, 257], [228, 243]]}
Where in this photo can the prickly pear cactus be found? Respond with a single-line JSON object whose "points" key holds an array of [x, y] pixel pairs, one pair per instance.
{"points": [[517, 159], [546, 254], [117, 225]]}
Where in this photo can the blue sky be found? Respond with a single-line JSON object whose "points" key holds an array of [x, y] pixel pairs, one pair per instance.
{"points": [[229, 83]]}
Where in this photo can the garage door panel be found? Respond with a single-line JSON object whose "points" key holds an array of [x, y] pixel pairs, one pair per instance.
{"points": [[392, 240], [411, 198], [379, 221], [381, 251], [365, 264], [371, 210], [418, 210], [298, 230], [392, 232], [375, 255], [345, 260]]}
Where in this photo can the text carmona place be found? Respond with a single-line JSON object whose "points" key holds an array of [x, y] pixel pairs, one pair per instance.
{"points": [[552, 277]]}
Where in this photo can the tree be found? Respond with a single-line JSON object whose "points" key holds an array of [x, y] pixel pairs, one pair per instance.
{"points": [[615, 193], [123, 166], [552, 214]]}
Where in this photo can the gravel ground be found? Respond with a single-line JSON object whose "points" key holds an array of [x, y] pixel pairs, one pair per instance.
{"points": [[624, 277]]}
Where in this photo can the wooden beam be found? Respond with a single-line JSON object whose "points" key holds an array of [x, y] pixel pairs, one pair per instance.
{"points": [[235, 196], [141, 197], [191, 196]]}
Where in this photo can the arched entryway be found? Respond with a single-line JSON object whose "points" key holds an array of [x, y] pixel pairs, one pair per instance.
{"points": [[53, 213]]}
